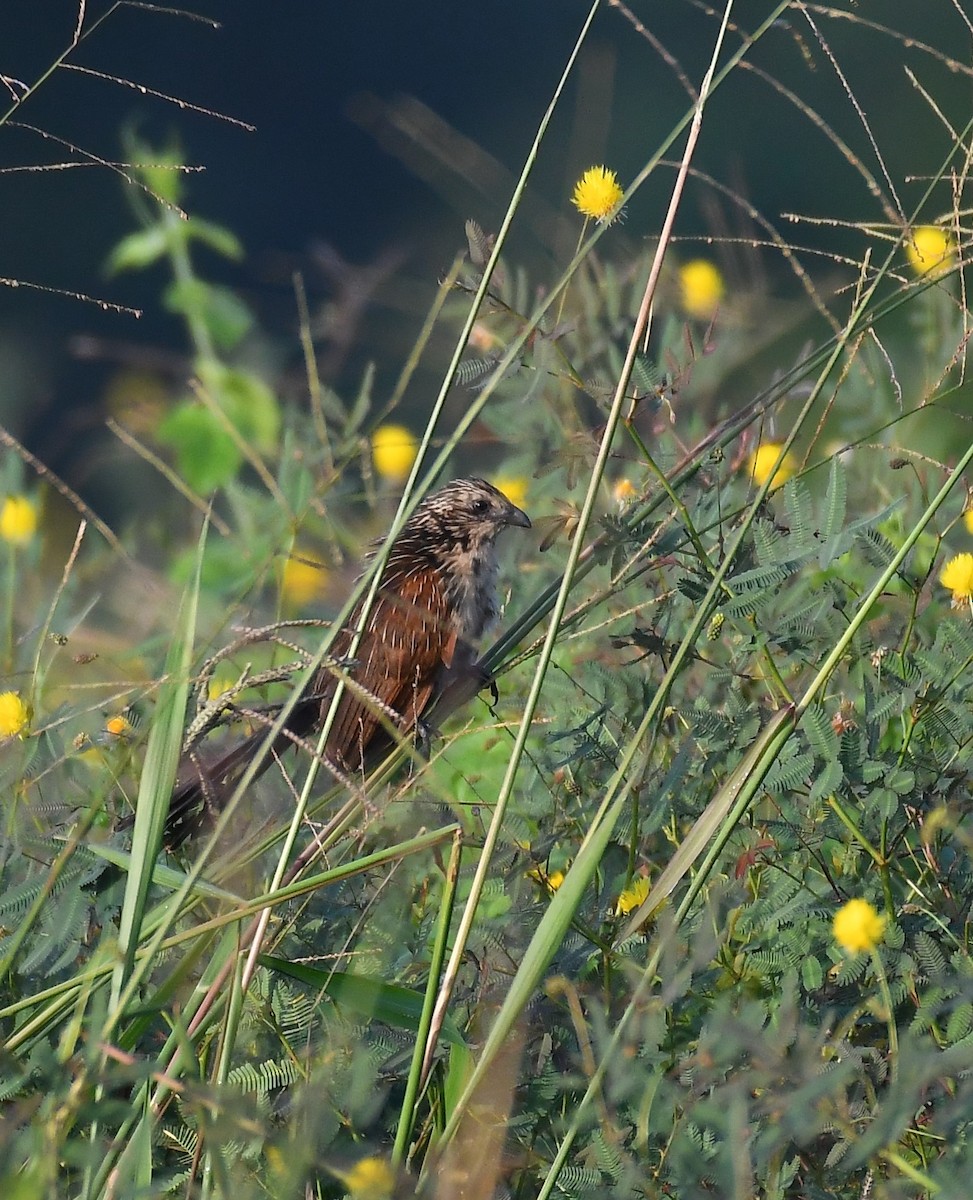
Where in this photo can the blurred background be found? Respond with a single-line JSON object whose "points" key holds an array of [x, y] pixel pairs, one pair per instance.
{"points": [[378, 129]]}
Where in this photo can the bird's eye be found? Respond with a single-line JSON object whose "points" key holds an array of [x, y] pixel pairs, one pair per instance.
{"points": [[479, 507]]}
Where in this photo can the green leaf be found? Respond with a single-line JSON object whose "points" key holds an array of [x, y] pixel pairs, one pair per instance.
{"points": [[247, 401], [812, 974], [827, 780], [155, 788], [218, 238], [163, 174], [834, 514], [960, 1023], [186, 297], [163, 875], [900, 781], [884, 802], [206, 455], [388, 1002], [137, 250], [225, 315], [160, 168]]}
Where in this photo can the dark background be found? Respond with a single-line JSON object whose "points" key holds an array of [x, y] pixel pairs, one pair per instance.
{"points": [[311, 174]]}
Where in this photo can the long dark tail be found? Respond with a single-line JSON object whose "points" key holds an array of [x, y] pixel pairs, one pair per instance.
{"points": [[203, 788]]}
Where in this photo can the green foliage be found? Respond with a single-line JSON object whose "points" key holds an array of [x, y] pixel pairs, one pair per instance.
{"points": [[233, 407], [593, 954]]}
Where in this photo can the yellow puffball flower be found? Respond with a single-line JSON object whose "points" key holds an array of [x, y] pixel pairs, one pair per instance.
{"points": [[762, 465], [394, 450], [957, 577], [119, 725], [18, 520], [632, 896], [623, 491], [857, 926], [597, 195], [302, 581], [549, 880], [701, 288], [514, 487], [369, 1179], [14, 715], [931, 250]]}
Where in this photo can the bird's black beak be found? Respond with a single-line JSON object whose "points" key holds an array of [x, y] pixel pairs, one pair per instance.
{"points": [[516, 516]]}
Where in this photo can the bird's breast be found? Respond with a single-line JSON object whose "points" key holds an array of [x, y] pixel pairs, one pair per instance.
{"points": [[471, 588]]}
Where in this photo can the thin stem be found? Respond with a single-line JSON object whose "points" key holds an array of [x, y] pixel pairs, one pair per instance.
{"points": [[883, 987]]}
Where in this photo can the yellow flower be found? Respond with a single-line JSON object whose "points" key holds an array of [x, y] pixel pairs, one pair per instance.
{"points": [[14, 715], [394, 450], [857, 926], [623, 491], [931, 250], [701, 288], [597, 194], [302, 581], [549, 880], [968, 520], [514, 487], [18, 520], [632, 896], [762, 465], [369, 1179], [957, 577], [119, 725]]}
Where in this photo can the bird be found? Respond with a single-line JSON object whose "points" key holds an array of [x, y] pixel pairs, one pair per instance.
{"points": [[437, 597]]}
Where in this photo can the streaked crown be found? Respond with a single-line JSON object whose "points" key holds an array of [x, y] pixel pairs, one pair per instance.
{"points": [[465, 513]]}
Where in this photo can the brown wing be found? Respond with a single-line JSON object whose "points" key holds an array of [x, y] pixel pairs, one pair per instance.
{"points": [[400, 658]]}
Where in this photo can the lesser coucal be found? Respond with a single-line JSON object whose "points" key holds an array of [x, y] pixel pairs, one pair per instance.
{"points": [[437, 596]]}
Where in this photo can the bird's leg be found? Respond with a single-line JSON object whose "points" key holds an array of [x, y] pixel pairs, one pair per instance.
{"points": [[423, 739], [456, 686], [481, 678]]}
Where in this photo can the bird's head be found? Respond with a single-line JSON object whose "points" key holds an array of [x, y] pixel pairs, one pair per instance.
{"points": [[465, 514]]}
